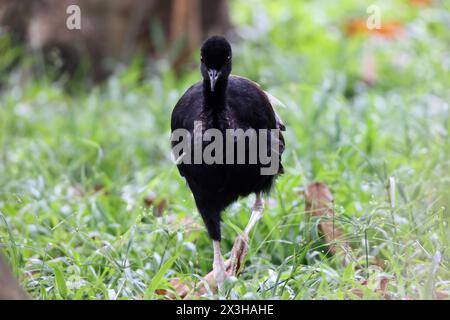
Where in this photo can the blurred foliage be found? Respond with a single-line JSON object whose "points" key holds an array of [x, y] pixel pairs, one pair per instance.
{"points": [[83, 172]]}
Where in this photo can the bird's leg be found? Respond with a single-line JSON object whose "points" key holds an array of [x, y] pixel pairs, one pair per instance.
{"points": [[257, 211], [218, 265], [241, 243]]}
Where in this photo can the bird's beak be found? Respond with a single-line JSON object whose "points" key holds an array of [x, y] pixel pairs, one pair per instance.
{"points": [[213, 76]]}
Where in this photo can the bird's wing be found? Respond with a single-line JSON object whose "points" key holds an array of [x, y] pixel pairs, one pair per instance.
{"points": [[184, 116], [280, 123], [274, 102]]}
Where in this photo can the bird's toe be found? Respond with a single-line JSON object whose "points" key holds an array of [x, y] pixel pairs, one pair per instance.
{"points": [[220, 275], [238, 253]]}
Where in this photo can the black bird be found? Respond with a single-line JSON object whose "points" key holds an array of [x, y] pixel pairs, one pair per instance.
{"points": [[222, 101]]}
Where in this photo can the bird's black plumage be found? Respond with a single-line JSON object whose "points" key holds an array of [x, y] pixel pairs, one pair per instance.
{"points": [[223, 102]]}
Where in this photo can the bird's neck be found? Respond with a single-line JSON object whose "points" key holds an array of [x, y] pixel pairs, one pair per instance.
{"points": [[216, 99]]}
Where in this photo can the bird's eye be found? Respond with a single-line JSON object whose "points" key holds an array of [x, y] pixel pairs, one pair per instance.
{"points": [[228, 58], [202, 60]]}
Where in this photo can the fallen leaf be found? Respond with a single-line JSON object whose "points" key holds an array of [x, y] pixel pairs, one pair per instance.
{"points": [[440, 295], [160, 207], [319, 203]]}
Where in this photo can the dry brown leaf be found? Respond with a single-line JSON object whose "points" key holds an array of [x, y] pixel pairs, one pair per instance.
{"points": [[160, 207], [381, 288], [440, 295], [319, 203]]}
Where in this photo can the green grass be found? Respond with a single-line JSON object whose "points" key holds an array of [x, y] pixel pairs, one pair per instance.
{"points": [[76, 166]]}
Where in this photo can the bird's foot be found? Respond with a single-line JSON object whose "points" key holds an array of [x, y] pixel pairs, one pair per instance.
{"points": [[238, 253], [220, 274]]}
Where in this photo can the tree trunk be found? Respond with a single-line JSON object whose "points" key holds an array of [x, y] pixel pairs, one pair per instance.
{"points": [[113, 30]]}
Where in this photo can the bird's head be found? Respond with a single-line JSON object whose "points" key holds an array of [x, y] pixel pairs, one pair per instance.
{"points": [[215, 60]]}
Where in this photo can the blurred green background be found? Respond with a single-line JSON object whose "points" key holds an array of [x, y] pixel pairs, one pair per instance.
{"points": [[91, 206]]}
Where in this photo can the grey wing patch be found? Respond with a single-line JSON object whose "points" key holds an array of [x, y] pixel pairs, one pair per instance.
{"points": [[280, 123], [198, 131], [275, 103]]}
